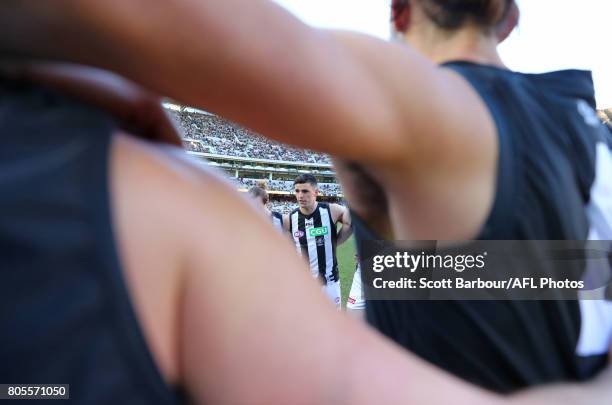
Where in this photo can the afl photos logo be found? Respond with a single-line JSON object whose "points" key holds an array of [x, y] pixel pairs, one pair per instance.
{"points": [[298, 234]]}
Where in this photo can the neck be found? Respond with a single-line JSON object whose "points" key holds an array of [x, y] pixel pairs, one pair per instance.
{"points": [[309, 210], [467, 44]]}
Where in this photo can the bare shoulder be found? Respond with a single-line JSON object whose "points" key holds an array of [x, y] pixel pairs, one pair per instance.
{"points": [[194, 248], [160, 202], [179, 228], [178, 181], [146, 201], [337, 210]]}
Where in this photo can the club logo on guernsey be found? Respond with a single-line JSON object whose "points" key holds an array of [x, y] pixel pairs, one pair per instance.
{"points": [[318, 231]]}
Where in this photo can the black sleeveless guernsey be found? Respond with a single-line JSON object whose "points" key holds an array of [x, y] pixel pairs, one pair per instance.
{"points": [[65, 312], [553, 183]]}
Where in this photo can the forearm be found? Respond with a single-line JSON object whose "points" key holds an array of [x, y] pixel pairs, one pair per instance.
{"points": [[413, 381], [219, 55], [344, 218], [406, 378], [345, 232], [595, 392], [152, 46]]}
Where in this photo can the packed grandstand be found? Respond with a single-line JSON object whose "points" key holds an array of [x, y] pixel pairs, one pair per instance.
{"points": [[250, 159]]}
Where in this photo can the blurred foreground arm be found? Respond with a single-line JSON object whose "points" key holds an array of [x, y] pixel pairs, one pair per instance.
{"points": [[231, 57], [136, 109]]}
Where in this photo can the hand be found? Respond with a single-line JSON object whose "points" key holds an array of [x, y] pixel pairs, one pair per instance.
{"points": [[137, 110]]}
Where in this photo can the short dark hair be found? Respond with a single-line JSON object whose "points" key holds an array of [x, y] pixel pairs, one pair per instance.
{"points": [[453, 14], [258, 192], [306, 178]]}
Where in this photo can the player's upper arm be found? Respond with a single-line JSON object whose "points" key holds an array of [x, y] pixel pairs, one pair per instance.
{"points": [[341, 214], [436, 112], [350, 95]]}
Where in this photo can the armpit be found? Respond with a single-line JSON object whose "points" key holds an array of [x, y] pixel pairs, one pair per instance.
{"points": [[366, 196]]}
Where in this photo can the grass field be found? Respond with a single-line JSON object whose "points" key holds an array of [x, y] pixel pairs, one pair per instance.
{"points": [[346, 264]]}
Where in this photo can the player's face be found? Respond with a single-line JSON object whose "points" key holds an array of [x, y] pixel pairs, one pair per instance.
{"points": [[306, 195]]}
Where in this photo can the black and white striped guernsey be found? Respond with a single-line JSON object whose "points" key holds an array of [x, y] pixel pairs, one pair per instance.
{"points": [[315, 237]]}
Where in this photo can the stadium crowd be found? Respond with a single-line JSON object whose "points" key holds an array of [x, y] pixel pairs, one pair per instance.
{"points": [[284, 207], [326, 189], [210, 134]]}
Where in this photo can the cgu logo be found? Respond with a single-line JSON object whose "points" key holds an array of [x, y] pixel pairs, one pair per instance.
{"points": [[318, 231]]}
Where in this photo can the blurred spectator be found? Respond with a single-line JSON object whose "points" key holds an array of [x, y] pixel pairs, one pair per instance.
{"points": [[284, 207]]}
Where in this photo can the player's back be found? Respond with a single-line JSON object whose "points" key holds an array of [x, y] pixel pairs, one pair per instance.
{"points": [[68, 316], [552, 175]]}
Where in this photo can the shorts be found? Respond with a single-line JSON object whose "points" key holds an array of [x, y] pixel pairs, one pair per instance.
{"points": [[356, 299], [332, 290]]}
